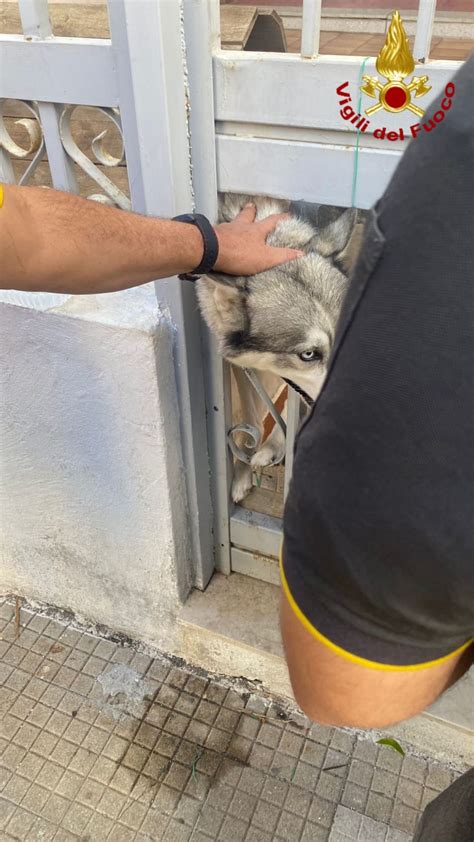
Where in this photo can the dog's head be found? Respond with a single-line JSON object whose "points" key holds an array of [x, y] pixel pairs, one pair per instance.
{"points": [[282, 320]]}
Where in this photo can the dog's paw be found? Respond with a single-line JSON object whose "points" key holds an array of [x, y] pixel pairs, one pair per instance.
{"points": [[242, 481], [272, 453]]}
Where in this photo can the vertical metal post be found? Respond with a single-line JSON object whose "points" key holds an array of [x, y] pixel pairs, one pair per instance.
{"points": [[310, 28], [201, 26], [7, 176], [292, 424], [36, 24], [424, 30], [147, 42]]}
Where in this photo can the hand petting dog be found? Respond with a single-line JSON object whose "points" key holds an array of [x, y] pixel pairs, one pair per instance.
{"points": [[243, 247]]}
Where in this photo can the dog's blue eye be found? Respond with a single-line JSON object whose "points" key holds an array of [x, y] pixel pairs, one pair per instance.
{"points": [[311, 356]]}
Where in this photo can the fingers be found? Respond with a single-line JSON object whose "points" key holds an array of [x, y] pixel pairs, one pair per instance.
{"points": [[277, 256], [248, 213], [268, 224]]}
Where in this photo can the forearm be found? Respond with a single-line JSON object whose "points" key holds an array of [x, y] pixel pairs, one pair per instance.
{"points": [[58, 242]]}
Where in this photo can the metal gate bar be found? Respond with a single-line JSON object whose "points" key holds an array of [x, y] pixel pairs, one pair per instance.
{"points": [[424, 29], [310, 29]]}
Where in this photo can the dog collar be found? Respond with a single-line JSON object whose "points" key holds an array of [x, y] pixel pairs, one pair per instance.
{"points": [[308, 401]]}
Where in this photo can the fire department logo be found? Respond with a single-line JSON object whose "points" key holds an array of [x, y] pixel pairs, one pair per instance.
{"points": [[395, 62]]}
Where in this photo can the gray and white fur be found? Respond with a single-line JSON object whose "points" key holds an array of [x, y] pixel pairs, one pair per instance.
{"points": [[282, 321]]}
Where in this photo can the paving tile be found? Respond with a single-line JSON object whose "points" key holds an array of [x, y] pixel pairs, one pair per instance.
{"points": [[289, 826], [329, 787], [42, 830], [176, 832], [16, 789], [242, 805], [63, 752], [76, 818], [347, 822], [438, 777], [252, 781], [13, 756], [219, 741], [69, 785], [197, 685], [389, 759], [31, 765], [379, 808], [404, 818], [291, 744], [7, 808], [313, 753], [257, 835], [55, 808], [342, 742], [321, 812], [394, 835], [155, 824], [266, 816], [385, 783], [49, 773], [122, 834], [87, 643], [414, 768], [409, 792], [210, 821], [214, 693], [35, 798], [428, 796], [240, 748], [360, 773], [20, 824], [315, 833], [16, 679], [188, 809], [371, 830], [197, 761]]}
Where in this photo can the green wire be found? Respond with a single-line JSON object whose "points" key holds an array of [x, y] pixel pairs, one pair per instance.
{"points": [[356, 159]]}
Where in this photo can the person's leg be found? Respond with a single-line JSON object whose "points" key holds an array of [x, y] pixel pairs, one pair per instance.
{"points": [[450, 817], [333, 690]]}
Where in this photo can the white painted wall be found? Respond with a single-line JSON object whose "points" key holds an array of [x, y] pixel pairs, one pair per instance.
{"points": [[93, 510]]}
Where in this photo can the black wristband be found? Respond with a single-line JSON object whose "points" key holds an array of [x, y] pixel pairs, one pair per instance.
{"points": [[210, 243]]}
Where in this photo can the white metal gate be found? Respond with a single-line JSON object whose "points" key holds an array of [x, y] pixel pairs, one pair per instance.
{"points": [[279, 132], [196, 119]]}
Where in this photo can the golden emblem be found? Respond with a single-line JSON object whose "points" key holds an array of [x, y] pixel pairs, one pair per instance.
{"points": [[395, 61]]}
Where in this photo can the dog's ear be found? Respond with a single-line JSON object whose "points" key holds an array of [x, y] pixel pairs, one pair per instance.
{"points": [[331, 240], [222, 302]]}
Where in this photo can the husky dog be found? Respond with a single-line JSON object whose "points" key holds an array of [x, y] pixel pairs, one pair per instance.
{"points": [[282, 321]]}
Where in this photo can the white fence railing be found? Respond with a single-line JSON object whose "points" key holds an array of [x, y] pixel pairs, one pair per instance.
{"points": [[253, 123]]}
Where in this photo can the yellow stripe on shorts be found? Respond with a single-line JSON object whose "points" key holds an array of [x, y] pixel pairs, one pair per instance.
{"points": [[348, 656]]}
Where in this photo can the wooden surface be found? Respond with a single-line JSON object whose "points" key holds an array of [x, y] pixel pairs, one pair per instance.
{"points": [[68, 20], [77, 20]]}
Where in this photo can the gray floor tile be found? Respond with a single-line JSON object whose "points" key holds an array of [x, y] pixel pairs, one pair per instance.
{"points": [[196, 760]]}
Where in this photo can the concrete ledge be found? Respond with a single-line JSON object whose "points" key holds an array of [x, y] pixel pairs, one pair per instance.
{"points": [[232, 628]]}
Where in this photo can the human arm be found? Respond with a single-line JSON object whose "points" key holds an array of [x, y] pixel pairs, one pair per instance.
{"points": [[52, 241]]}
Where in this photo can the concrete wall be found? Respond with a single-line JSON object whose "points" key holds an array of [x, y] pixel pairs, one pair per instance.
{"points": [[93, 509]]}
